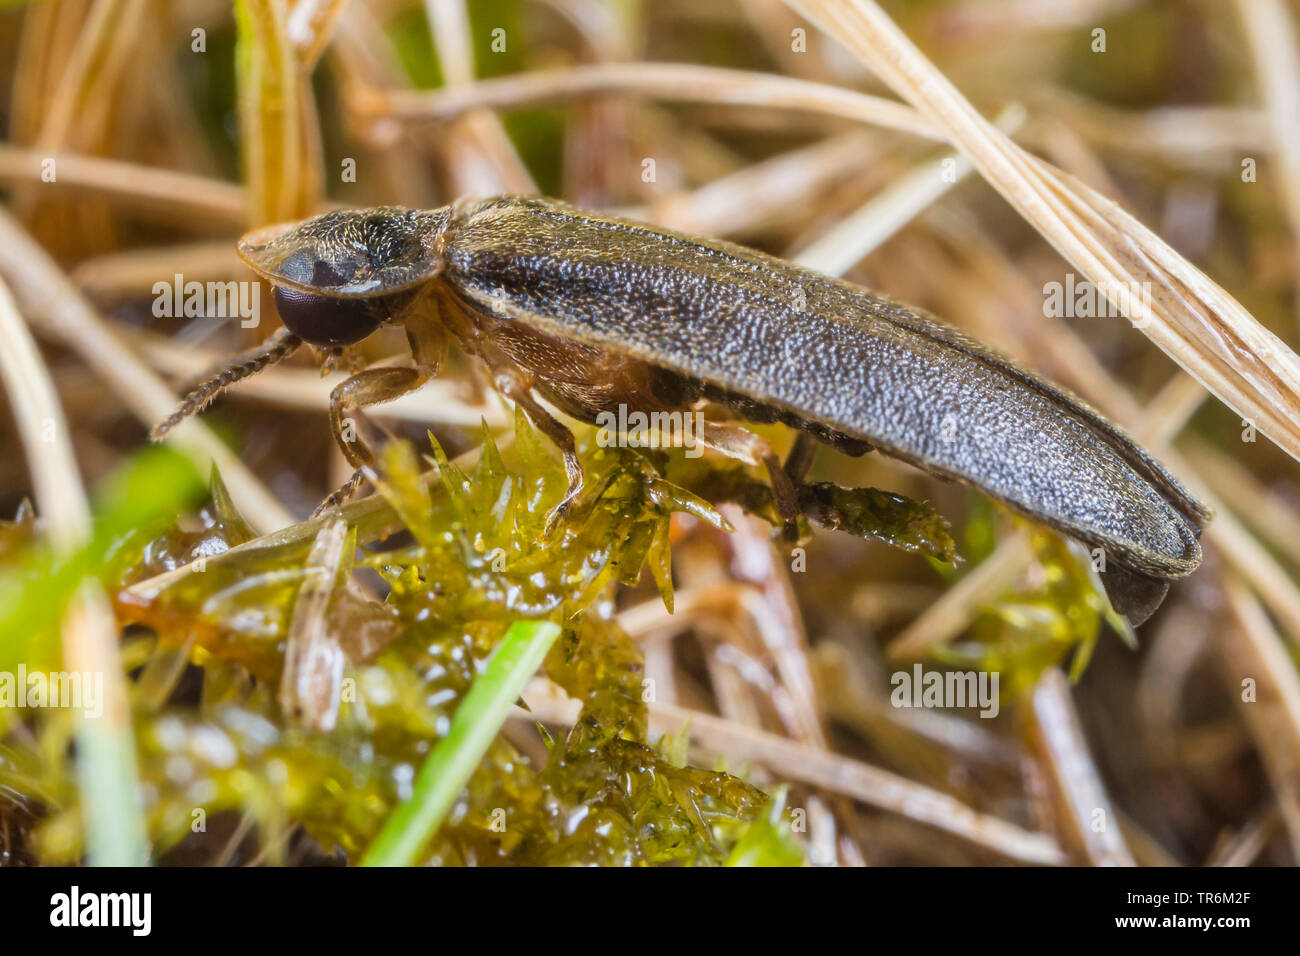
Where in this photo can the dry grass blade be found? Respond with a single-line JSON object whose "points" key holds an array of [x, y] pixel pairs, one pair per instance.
{"points": [[111, 797], [1181, 135], [764, 192], [1087, 813], [313, 656], [1247, 845], [179, 197], [60, 497], [650, 619], [270, 114], [311, 26], [854, 698], [1193, 320], [772, 664], [1270, 30], [662, 81], [871, 225], [117, 275], [1269, 694], [1250, 559], [96, 60], [947, 617], [1271, 517], [484, 158], [992, 17]]}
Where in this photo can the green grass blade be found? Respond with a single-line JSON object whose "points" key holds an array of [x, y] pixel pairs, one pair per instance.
{"points": [[107, 772], [477, 721]]}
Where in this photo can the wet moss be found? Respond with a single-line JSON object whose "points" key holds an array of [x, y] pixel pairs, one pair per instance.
{"points": [[419, 584]]}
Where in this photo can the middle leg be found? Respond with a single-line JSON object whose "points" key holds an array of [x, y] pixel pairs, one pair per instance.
{"points": [[517, 386]]}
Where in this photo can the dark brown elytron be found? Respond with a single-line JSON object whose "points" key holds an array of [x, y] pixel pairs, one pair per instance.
{"points": [[589, 312]]}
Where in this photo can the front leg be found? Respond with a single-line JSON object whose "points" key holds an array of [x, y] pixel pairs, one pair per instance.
{"points": [[371, 387]]}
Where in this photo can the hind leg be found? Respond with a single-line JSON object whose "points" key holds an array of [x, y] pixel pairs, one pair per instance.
{"points": [[740, 443], [801, 456]]}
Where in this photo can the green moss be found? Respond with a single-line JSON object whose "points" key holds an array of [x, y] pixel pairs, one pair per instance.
{"points": [[1037, 624], [454, 558]]}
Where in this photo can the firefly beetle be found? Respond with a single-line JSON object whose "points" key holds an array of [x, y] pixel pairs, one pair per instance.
{"points": [[589, 312]]}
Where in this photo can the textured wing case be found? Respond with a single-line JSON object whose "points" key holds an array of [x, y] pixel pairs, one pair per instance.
{"points": [[832, 352]]}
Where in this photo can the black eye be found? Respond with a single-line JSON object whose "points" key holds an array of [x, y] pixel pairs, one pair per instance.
{"points": [[305, 268], [325, 322]]}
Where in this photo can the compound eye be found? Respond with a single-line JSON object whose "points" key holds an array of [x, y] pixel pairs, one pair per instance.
{"points": [[329, 322], [305, 268]]}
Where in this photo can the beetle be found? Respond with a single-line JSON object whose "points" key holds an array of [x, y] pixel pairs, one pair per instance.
{"points": [[590, 312]]}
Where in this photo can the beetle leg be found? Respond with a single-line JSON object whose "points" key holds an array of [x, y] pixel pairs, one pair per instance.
{"points": [[372, 387], [740, 443], [800, 458], [514, 386], [341, 494], [428, 340]]}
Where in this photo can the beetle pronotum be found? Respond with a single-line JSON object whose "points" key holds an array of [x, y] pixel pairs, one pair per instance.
{"points": [[589, 312]]}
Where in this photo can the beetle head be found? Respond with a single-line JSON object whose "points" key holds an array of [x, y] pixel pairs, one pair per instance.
{"points": [[338, 276]]}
